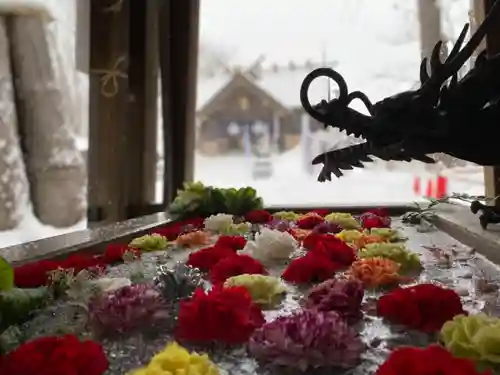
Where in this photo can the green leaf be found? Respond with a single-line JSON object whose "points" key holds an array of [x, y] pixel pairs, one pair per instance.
{"points": [[6, 275]]}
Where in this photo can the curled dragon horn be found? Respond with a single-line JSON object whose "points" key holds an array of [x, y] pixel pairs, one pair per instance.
{"points": [[441, 72]]}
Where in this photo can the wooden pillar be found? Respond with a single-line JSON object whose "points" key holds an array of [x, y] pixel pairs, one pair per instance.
{"points": [[109, 99], [143, 89], [491, 174], [178, 65]]}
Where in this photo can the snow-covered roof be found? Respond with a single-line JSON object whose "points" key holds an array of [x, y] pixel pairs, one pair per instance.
{"points": [[281, 83]]}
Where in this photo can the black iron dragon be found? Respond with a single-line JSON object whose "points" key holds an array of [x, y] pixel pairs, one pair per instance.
{"points": [[444, 115]]}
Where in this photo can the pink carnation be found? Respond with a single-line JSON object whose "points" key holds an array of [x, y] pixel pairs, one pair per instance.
{"points": [[307, 339], [127, 309], [343, 296]]}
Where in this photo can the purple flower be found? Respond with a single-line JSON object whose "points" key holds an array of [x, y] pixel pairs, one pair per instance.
{"points": [[127, 309], [327, 227], [307, 339], [280, 225], [343, 296]]}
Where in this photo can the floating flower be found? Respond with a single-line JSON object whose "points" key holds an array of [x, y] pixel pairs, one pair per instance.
{"points": [[271, 245], [149, 242], [177, 282], [236, 229], [176, 360], [408, 260], [423, 307], [233, 242], [344, 220], [342, 296], [173, 229], [208, 257], [115, 252], [300, 234], [475, 337], [238, 264], [218, 223], [109, 284], [327, 227], [350, 235], [332, 248], [309, 220], [60, 355], [388, 234], [376, 272], [433, 360], [281, 225], [126, 309], [193, 239], [286, 215], [367, 239], [226, 315], [307, 340], [265, 290], [370, 220], [310, 268], [321, 212], [258, 217]]}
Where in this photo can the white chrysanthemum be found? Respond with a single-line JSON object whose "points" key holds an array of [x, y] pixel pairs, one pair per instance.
{"points": [[271, 245], [218, 223]]}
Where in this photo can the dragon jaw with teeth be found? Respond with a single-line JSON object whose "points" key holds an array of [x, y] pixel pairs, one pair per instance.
{"points": [[444, 115]]}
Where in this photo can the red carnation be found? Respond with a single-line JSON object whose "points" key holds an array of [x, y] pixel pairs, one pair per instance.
{"points": [[382, 212], [206, 258], [174, 229], [423, 307], [321, 212], [369, 220], [233, 242], [258, 217], [238, 264], [33, 275], [310, 268], [114, 253], [331, 247], [309, 221], [56, 356], [225, 315], [433, 360]]}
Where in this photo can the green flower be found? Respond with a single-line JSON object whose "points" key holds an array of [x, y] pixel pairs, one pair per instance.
{"points": [[475, 337], [387, 234], [408, 260], [149, 242], [265, 290], [344, 220], [286, 215], [6, 275], [350, 235], [235, 229]]}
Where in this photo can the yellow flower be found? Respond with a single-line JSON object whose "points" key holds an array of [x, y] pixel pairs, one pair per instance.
{"points": [[176, 360], [387, 234], [149, 242], [350, 235], [475, 337], [286, 215], [264, 290], [344, 220]]}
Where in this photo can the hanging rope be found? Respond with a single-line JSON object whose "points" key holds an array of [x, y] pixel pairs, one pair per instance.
{"points": [[114, 8], [109, 79]]}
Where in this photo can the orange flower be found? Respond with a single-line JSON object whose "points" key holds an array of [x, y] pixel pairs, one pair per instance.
{"points": [[300, 234], [193, 239], [367, 239], [376, 272]]}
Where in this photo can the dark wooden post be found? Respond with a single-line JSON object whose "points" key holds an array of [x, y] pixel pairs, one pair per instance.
{"points": [[492, 174], [178, 63], [109, 98], [143, 106]]}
